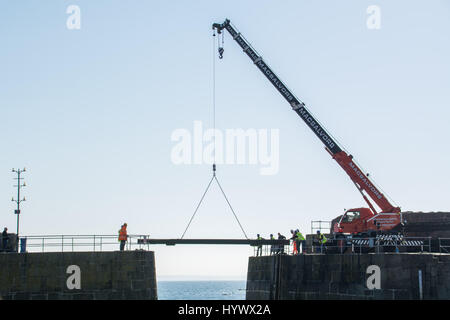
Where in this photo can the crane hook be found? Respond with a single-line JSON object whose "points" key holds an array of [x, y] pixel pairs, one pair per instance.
{"points": [[221, 50]]}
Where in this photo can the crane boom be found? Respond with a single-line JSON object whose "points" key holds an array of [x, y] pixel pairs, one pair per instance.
{"points": [[361, 180]]}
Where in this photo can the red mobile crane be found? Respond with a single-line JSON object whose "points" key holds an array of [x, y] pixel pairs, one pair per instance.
{"points": [[360, 221]]}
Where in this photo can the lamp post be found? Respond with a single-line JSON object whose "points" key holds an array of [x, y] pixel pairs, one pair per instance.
{"points": [[18, 200]]}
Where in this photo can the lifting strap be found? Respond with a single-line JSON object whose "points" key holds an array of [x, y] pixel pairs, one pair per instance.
{"points": [[214, 178]]}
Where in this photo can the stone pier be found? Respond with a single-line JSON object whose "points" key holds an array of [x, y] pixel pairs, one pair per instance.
{"points": [[125, 275], [350, 276]]}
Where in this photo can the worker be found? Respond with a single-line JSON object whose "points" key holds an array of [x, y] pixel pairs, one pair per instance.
{"points": [[321, 239], [4, 239], [281, 247], [294, 242], [123, 236], [273, 248], [300, 240], [259, 250]]}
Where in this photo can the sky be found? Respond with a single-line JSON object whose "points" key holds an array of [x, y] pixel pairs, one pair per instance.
{"points": [[90, 113]]}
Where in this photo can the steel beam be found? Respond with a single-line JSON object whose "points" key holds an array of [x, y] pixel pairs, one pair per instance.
{"points": [[251, 242]]}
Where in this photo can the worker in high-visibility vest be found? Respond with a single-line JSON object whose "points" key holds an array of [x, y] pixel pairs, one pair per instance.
{"points": [[300, 240], [322, 240], [294, 242], [123, 236]]}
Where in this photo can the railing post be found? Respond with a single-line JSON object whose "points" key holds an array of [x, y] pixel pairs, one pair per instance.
{"points": [[42, 244], [101, 243], [72, 244], [62, 243], [94, 242]]}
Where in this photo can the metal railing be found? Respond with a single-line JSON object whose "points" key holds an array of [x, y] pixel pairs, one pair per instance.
{"points": [[267, 250], [72, 243], [444, 245], [362, 245], [394, 244], [321, 226]]}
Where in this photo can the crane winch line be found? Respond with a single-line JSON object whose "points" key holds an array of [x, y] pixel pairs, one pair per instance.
{"points": [[214, 177]]}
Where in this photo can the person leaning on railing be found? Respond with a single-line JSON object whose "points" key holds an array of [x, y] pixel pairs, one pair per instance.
{"points": [[281, 247]]}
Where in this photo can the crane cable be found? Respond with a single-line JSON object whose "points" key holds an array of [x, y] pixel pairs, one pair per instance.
{"points": [[214, 177]]}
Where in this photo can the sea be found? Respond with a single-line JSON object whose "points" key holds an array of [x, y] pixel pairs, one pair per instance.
{"points": [[201, 290]]}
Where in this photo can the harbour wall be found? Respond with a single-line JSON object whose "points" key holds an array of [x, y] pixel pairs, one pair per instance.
{"points": [[386, 276], [124, 275]]}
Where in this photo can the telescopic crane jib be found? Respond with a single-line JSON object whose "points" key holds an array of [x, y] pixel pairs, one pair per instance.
{"points": [[359, 220]]}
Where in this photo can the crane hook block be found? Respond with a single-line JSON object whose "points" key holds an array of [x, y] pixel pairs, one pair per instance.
{"points": [[221, 50]]}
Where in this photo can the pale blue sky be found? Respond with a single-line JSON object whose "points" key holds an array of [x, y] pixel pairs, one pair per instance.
{"points": [[90, 114]]}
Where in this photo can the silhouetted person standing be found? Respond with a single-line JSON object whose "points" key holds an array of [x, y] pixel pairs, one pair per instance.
{"points": [[273, 248], [5, 238], [259, 250]]}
